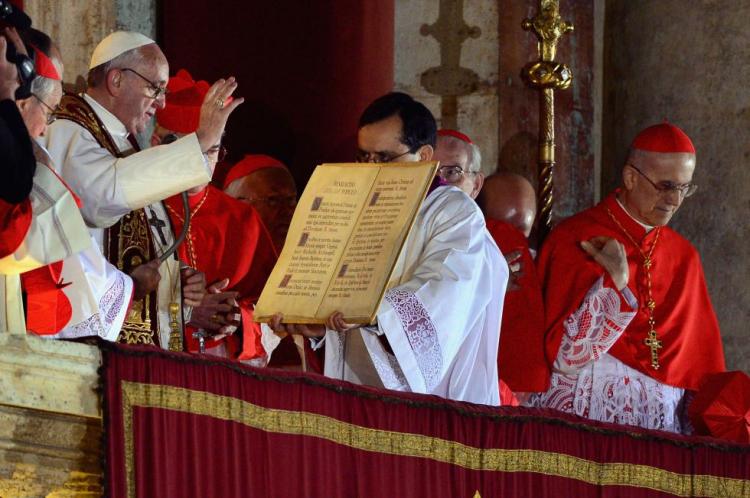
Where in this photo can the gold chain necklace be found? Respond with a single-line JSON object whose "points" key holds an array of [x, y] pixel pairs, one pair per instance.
{"points": [[652, 341], [189, 239]]}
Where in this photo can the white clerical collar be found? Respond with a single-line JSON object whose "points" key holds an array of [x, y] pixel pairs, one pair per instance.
{"points": [[647, 227], [113, 125]]}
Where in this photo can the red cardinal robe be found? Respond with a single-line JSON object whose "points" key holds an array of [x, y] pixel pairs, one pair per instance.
{"points": [[521, 361], [685, 320], [226, 239]]}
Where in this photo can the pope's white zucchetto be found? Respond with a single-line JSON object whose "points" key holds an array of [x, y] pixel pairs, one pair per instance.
{"points": [[116, 44]]}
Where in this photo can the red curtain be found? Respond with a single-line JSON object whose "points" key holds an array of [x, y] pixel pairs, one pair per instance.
{"points": [[306, 69], [181, 425]]}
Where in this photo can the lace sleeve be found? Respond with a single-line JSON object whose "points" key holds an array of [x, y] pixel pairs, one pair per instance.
{"points": [[593, 328]]}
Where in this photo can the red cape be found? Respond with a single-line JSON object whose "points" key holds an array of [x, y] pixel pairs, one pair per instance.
{"points": [[228, 241], [521, 361], [685, 319]]}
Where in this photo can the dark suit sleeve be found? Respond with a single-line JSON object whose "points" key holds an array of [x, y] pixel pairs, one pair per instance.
{"points": [[17, 163]]}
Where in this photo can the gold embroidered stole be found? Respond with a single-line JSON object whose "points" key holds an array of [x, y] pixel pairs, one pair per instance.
{"points": [[127, 243]]}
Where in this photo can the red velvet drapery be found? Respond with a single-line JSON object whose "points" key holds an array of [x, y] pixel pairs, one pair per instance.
{"points": [[181, 425], [306, 69]]}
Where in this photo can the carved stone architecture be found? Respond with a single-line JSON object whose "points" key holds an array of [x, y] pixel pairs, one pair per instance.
{"points": [[446, 55], [50, 419]]}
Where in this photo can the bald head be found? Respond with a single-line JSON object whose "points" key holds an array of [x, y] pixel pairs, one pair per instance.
{"points": [[511, 198]]}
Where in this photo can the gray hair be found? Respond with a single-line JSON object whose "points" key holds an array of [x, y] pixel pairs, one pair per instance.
{"points": [[44, 87], [97, 75], [474, 159]]}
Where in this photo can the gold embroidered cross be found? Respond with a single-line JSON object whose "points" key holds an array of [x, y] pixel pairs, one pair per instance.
{"points": [[655, 345]]}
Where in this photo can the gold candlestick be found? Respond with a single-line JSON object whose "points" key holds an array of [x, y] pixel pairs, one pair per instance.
{"points": [[548, 76]]}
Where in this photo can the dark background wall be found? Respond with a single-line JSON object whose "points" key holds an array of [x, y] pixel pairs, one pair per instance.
{"points": [[688, 62], [306, 69]]}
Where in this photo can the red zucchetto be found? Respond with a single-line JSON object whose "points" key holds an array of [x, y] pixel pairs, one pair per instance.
{"points": [[183, 107], [44, 67], [455, 134], [250, 164], [664, 137]]}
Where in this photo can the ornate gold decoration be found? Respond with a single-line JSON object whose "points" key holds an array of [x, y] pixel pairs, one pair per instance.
{"points": [[548, 76], [652, 341], [175, 331], [74, 108], [449, 80], [301, 423], [128, 242]]}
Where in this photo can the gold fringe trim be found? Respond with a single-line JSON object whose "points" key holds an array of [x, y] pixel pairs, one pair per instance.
{"points": [[413, 445]]}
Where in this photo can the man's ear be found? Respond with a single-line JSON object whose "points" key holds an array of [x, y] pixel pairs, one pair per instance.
{"points": [[629, 177], [425, 152], [23, 105], [478, 183], [114, 82]]}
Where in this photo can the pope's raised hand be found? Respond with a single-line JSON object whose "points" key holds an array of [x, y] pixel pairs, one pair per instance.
{"points": [[610, 254], [215, 111]]}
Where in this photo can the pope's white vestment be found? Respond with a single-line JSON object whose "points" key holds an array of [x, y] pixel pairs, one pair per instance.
{"points": [[111, 187]]}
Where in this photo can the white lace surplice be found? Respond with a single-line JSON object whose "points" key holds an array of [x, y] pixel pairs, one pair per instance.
{"points": [[99, 294], [441, 316], [589, 382]]}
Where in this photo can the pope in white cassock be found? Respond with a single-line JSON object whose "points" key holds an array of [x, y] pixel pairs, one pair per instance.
{"points": [[438, 328], [93, 148]]}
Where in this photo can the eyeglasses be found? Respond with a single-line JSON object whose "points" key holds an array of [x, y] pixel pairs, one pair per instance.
{"points": [[379, 157], [219, 150], [49, 112], [275, 201], [155, 91], [452, 174], [666, 188]]}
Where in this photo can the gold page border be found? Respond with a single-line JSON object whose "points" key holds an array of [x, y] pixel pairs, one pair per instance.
{"points": [[411, 445]]}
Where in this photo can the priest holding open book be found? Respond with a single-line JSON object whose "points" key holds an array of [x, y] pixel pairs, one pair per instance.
{"points": [[436, 329]]}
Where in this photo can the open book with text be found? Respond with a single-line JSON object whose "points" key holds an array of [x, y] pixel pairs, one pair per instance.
{"points": [[344, 240]]}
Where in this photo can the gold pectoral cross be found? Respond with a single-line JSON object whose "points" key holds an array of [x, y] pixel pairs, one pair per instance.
{"points": [[655, 345]]}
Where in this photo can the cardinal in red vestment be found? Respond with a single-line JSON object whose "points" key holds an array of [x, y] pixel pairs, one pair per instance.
{"points": [[629, 323], [226, 239], [509, 205], [265, 183]]}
